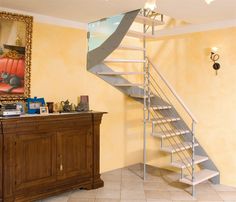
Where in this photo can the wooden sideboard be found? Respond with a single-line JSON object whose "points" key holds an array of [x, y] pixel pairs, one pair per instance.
{"points": [[46, 155]]}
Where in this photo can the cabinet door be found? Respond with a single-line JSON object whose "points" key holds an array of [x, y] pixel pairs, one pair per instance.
{"points": [[35, 159], [74, 153]]}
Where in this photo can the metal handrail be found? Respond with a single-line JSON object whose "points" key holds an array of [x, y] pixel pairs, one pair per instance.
{"points": [[173, 92]]}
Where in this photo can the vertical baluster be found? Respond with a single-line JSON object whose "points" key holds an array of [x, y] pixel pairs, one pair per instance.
{"points": [[193, 156], [144, 104], [149, 92]]}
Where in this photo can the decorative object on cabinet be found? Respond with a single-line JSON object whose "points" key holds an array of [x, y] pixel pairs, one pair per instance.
{"points": [[10, 109], [83, 104], [49, 155], [50, 106], [34, 104], [20, 106], [15, 56], [66, 106], [43, 110]]}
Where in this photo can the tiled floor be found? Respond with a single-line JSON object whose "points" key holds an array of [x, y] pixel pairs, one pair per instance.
{"points": [[125, 185]]}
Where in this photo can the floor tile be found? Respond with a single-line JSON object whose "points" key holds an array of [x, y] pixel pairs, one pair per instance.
{"points": [[107, 200], [80, 200], [181, 195], [130, 185], [152, 194], [220, 187], [108, 194], [130, 200], [86, 194], [208, 196], [113, 185], [127, 194], [227, 195]]}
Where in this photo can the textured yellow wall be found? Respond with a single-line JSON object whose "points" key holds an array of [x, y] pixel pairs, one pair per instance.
{"points": [[59, 73], [185, 62]]}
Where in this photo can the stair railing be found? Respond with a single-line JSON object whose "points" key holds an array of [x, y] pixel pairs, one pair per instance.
{"points": [[152, 84]]}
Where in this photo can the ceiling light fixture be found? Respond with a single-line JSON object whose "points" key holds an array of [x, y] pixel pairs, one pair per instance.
{"points": [[150, 5], [209, 1]]}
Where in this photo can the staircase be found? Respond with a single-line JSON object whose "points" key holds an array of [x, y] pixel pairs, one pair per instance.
{"points": [[163, 109]]}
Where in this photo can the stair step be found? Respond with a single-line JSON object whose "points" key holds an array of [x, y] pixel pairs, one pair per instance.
{"points": [[165, 120], [134, 48], [120, 73], [178, 147], [136, 34], [140, 96], [111, 60], [128, 84], [160, 107], [201, 176], [188, 162], [148, 21], [170, 133]]}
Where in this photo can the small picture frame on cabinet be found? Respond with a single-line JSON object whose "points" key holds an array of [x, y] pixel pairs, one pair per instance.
{"points": [[43, 110]]}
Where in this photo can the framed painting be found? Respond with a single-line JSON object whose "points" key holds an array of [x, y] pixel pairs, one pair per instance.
{"points": [[15, 56]]}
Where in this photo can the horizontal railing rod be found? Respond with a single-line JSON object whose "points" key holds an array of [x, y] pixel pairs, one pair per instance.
{"points": [[174, 92]]}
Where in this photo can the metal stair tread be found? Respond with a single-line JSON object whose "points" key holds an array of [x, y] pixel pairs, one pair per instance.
{"points": [[128, 84], [188, 162], [120, 73], [135, 48], [164, 120], [136, 34], [201, 176], [148, 21], [111, 60], [170, 133], [140, 96], [177, 147], [160, 107]]}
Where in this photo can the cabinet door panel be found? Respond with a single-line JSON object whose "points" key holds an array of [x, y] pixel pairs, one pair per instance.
{"points": [[35, 159], [74, 153]]}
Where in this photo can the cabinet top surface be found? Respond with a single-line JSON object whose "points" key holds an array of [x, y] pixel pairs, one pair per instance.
{"points": [[52, 115]]}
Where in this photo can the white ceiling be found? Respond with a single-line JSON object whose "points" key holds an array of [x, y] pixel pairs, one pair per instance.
{"points": [[198, 11], [76, 10], [193, 11]]}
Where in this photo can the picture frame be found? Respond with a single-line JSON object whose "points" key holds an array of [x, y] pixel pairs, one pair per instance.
{"points": [[15, 56], [34, 104], [20, 106], [43, 110]]}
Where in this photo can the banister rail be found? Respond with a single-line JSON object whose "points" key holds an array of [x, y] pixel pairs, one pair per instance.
{"points": [[173, 92]]}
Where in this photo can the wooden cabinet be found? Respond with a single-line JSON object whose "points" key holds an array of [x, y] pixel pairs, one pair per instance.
{"points": [[47, 155]]}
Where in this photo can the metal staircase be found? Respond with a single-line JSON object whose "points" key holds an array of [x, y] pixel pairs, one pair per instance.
{"points": [[164, 111]]}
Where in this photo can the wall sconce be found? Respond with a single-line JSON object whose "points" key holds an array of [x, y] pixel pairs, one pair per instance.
{"points": [[215, 57]]}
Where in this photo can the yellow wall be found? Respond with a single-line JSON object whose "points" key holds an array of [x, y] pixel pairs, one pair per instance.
{"points": [[184, 60], [59, 73]]}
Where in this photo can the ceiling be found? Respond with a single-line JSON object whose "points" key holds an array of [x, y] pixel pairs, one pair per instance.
{"points": [[198, 11], [193, 11], [76, 10]]}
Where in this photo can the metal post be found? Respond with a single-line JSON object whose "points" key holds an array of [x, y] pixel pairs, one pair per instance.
{"points": [[144, 105], [193, 157], [149, 92]]}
